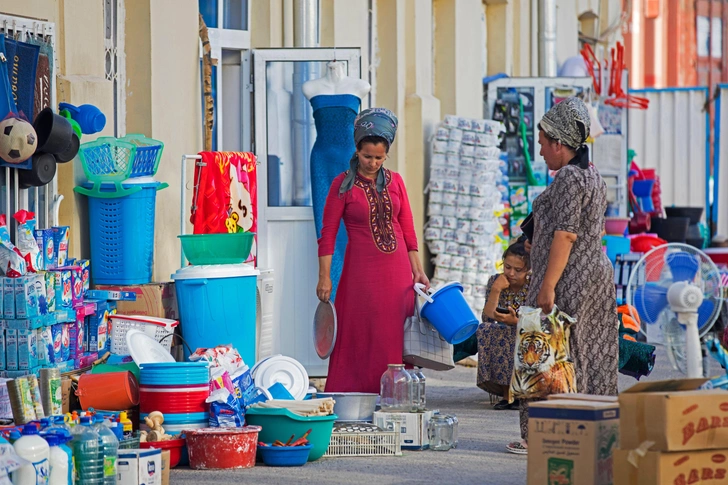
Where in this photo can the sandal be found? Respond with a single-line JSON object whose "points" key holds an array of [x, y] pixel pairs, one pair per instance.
{"points": [[517, 448], [502, 405]]}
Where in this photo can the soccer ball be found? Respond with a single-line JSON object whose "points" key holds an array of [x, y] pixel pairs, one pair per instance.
{"points": [[18, 140]]}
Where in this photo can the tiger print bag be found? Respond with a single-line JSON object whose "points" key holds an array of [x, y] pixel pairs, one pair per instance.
{"points": [[542, 362]]}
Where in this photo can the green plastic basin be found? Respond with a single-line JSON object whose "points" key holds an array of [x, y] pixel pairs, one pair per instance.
{"points": [[230, 248], [280, 424]]}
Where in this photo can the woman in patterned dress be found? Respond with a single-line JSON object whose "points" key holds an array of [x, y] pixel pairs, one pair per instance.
{"points": [[381, 262], [569, 268], [497, 334]]}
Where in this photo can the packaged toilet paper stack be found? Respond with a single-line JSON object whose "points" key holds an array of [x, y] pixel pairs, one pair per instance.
{"points": [[467, 190]]}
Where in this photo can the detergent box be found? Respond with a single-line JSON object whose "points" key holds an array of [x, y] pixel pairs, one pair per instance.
{"points": [[64, 289], [85, 266], [572, 441], [11, 349], [98, 325], [41, 295], [76, 285], [45, 346], [27, 349], [60, 241], [50, 286], [77, 337], [65, 342], [2, 350], [8, 297], [26, 301], [57, 336], [44, 238]]}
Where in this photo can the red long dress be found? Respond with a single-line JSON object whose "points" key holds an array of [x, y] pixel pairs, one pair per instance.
{"points": [[375, 293]]}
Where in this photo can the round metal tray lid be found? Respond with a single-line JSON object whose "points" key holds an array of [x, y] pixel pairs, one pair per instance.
{"points": [[324, 329]]}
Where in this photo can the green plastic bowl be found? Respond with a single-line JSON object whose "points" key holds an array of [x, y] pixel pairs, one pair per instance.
{"points": [[230, 248], [280, 424]]}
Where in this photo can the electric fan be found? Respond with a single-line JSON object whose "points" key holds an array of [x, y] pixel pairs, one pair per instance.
{"points": [[675, 290]]}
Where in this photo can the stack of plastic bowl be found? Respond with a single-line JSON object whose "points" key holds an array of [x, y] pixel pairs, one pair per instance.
{"points": [[178, 390]]}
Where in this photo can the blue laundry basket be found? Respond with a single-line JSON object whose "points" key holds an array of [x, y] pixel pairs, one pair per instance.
{"points": [[122, 235], [216, 306]]}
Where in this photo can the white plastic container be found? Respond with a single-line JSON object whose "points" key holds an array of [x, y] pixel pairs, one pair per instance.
{"points": [[58, 462], [36, 450]]}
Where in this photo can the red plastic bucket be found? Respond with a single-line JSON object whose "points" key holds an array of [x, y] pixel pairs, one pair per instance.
{"points": [[174, 447], [115, 391], [174, 402], [223, 448]]}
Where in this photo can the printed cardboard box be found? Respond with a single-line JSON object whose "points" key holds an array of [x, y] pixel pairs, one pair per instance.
{"points": [[412, 427], [139, 467], [154, 300], [675, 415], [571, 442], [670, 468]]}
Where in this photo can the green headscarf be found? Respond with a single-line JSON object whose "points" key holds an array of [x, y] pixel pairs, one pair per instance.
{"points": [[371, 122]]}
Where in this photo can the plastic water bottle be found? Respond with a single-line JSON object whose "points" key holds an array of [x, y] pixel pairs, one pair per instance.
{"points": [[36, 450], [88, 454], [65, 440], [58, 462], [110, 450]]}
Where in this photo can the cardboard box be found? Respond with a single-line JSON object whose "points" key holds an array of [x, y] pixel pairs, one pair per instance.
{"points": [[166, 458], [8, 298], [674, 468], [412, 427], [154, 300], [675, 415], [27, 349], [11, 349], [139, 467], [572, 441], [583, 397], [69, 399]]}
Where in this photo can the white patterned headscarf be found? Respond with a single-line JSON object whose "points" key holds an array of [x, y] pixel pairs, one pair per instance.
{"points": [[567, 122]]}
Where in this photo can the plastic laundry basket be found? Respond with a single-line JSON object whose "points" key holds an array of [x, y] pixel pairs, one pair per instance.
{"points": [[214, 306], [122, 235]]}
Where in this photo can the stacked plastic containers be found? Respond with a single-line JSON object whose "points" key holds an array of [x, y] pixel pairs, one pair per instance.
{"points": [[122, 201], [467, 190], [179, 391]]}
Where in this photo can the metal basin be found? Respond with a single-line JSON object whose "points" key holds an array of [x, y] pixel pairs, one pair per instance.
{"points": [[352, 406]]}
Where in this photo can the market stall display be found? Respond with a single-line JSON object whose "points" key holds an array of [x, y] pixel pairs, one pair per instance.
{"points": [[467, 204]]}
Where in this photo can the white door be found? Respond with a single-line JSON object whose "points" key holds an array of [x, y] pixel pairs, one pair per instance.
{"points": [[284, 136]]}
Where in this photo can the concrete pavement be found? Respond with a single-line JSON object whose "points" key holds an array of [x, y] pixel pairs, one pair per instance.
{"points": [[480, 458]]}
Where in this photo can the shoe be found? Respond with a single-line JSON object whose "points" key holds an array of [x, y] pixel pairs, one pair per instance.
{"points": [[517, 448], [514, 405], [502, 405]]}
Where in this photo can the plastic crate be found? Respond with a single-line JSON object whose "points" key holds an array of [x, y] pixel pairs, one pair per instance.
{"points": [[147, 157], [122, 237], [157, 328], [369, 440]]}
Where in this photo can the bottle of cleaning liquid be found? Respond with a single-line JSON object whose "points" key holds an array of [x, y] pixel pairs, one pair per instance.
{"points": [[88, 454], [118, 431], [14, 436], [110, 449], [36, 450], [58, 462], [66, 448], [126, 426]]}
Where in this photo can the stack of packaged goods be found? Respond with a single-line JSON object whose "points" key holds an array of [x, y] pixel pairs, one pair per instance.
{"points": [[468, 194]]}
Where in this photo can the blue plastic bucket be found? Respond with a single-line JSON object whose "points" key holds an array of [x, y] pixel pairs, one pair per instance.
{"points": [[122, 236], [215, 306], [447, 310], [616, 245], [187, 418]]}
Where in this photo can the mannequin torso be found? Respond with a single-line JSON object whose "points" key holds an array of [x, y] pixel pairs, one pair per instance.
{"points": [[335, 82]]}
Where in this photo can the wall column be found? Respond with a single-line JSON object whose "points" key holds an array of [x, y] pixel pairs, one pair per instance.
{"points": [[460, 56]]}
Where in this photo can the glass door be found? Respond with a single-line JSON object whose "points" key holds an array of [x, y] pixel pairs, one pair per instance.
{"points": [[284, 135]]}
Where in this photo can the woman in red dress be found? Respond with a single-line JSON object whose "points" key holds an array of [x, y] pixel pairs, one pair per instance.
{"points": [[381, 263]]}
